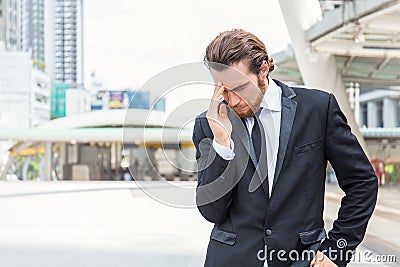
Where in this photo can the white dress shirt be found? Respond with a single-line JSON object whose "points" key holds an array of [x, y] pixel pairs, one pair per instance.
{"points": [[270, 118]]}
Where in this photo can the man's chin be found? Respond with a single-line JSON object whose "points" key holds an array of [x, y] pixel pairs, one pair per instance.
{"points": [[244, 113]]}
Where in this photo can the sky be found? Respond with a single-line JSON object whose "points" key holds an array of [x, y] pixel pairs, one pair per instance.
{"points": [[127, 42]]}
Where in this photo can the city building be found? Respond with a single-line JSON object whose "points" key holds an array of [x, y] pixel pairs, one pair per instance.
{"points": [[40, 97], [24, 92], [32, 30], [125, 99], [351, 42], [9, 25], [379, 108], [64, 41], [77, 101]]}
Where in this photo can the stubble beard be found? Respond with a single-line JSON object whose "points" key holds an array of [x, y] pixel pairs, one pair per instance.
{"points": [[255, 106]]}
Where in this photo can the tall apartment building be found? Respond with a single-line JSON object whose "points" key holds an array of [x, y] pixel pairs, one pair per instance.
{"points": [[9, 25], [45, 37], [51, 30], [32, 30], [64, 41]]}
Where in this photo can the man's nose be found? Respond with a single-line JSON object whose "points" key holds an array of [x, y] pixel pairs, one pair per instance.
{"points": [[233, 99]]}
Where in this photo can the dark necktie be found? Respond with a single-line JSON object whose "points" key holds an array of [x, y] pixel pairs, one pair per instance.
{"points": [[255, 138], [255, 145]]}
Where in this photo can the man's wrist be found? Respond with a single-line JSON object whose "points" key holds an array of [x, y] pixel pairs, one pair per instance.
{"points": [[226, 152]]}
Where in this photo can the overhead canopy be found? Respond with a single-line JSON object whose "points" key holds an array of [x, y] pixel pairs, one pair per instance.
{"points": [[83, 135], [112, 118], [363, 36], [380, 133]]}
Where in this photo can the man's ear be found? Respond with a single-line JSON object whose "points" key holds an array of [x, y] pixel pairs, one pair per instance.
{"points": [[264, 69]]}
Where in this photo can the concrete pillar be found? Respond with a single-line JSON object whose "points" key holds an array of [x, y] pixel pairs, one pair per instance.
{"points": [[41, 168], [390, 112], [361, 121], [25, 168], [140, 156], [372, 114], [63, 160], [317, 70], [47, 162], [357, 105], [73, 153]]}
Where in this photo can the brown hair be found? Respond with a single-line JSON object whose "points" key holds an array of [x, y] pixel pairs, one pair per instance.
{"points": [[233, 46]]}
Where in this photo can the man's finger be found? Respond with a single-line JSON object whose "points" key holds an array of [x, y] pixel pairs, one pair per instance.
{"points": [[216, 100], [216, 88], [219, 92], [222, 109], [214, 106]]}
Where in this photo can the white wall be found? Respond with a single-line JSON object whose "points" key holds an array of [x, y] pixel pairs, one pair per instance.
{"points": [[18, 79], [40, 97], [77, 101], [15, 73]]}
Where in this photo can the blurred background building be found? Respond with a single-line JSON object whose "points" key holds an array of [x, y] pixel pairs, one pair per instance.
{"points": [[349, 48], [41, 54], [9, 25], [24, 92], [32, 30], [64, 26]]}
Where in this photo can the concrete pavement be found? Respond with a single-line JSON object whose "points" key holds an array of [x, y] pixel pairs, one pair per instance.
{"points": [[96, 224]]}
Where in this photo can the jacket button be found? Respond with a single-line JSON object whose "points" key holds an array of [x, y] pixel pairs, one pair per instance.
{"points": [[268, 232]]}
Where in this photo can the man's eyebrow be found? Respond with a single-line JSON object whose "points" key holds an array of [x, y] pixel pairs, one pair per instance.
{"points": [[237, 88]]}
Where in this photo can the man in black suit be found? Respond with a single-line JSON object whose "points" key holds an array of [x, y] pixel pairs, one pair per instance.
{"points": [[262, 149]]}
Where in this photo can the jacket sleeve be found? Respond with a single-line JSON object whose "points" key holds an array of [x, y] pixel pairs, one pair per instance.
{"points": [[356, 178], [215, 177]]}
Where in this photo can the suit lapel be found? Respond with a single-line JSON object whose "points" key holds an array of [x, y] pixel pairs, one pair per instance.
{"points": [[287, 117]]}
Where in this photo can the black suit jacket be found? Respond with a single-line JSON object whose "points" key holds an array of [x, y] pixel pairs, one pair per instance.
{"points": [[248, 222]]}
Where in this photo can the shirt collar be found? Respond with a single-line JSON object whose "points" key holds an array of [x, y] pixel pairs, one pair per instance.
{"points": [[272, 97]]}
